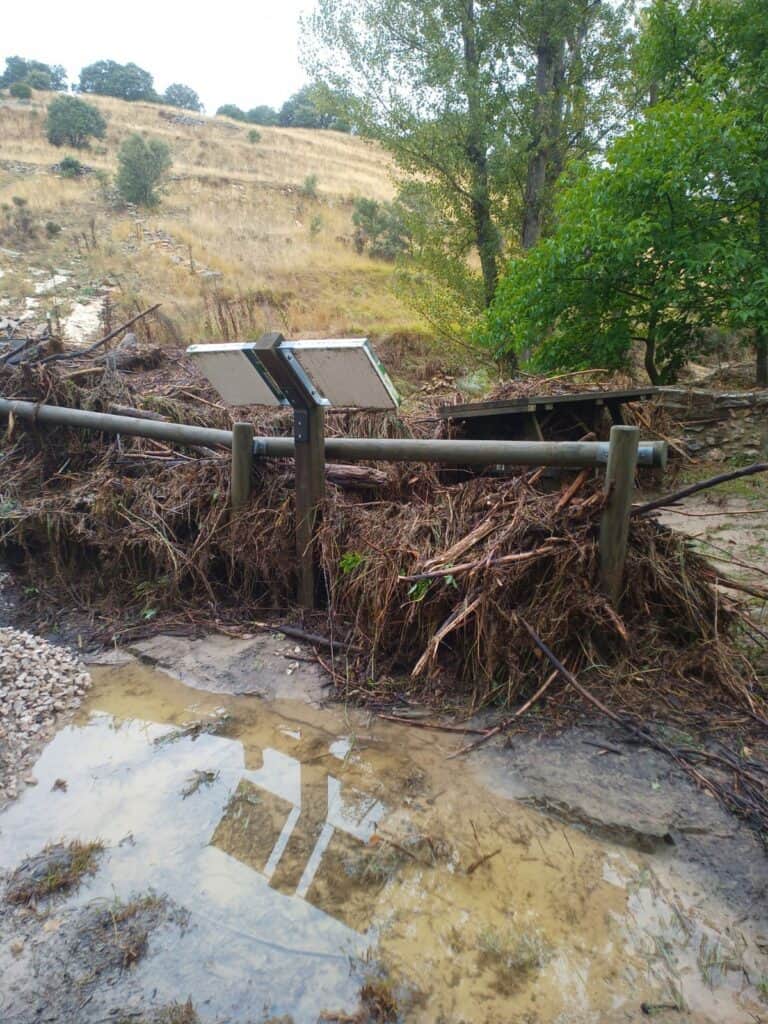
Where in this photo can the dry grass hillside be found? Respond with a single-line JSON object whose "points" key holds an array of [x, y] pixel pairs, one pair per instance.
{"points": [[237, 246]]}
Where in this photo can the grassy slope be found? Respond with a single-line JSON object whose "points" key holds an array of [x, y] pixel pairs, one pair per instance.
{"points": [[233, 207]]}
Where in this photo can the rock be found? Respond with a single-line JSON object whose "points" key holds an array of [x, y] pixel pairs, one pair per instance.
{"points": [[37, 681]]}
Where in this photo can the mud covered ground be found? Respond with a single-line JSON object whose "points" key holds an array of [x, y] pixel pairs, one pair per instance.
{"points": [[267, 855]]}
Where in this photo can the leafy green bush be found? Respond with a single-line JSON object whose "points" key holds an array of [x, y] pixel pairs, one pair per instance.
{"points": [[380, 228], [254, 135], [309, 188], [231, 110], [142, 165], [34, 73], [178, 95], [52, 229], [126, 81], [73, 122], [16, 223], [70, 167], [20, 91], [38, 80]]}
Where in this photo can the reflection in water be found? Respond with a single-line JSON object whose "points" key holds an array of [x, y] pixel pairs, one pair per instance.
{"points": [[319, 845]]}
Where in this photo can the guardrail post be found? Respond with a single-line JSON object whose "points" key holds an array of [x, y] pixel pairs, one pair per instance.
{"points": [[614, 525], [242, 462], [309, 435]]}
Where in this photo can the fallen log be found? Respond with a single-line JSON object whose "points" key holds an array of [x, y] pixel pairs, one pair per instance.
{"points": [[702, 485]]}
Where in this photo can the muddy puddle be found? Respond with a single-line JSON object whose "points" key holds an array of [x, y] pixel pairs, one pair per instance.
{"points": [[305, 851]]}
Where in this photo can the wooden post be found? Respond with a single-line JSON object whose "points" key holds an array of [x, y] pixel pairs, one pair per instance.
{"points": [[242, 461], [614, 526], [309, 436]]}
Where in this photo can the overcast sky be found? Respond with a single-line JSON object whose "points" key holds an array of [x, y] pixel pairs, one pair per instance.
{"points": [[229, 51]]}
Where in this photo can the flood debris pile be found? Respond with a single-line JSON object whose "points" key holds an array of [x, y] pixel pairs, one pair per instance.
{"points": [[38, 683], [440, 580]]}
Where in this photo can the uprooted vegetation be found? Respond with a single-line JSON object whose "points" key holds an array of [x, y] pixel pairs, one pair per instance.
{"points": [[430, 577], [435, 583], [56, 869]]}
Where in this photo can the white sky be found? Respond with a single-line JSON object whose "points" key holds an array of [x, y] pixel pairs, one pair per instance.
{"points": [[228, 51]]}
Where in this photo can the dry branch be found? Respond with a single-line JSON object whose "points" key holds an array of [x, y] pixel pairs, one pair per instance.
{"points": [[59, 357], [702, 485]]}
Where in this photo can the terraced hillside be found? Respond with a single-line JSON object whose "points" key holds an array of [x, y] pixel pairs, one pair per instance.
{"points": [[249, 236]]}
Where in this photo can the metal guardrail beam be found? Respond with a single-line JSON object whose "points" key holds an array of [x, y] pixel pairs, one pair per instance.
{"points": [[572, 454]]}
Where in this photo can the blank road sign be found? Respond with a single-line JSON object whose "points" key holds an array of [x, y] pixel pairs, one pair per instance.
{"points": [[237, 373], [346, 372]]}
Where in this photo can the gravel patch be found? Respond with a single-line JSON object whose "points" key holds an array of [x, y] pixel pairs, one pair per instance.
{"points": [[39, 682]]}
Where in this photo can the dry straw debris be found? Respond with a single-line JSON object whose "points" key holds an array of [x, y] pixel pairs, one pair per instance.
{"points": [[433, 577]]}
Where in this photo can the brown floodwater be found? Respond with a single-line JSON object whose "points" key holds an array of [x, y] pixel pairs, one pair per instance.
{"points": [[313, 848]]}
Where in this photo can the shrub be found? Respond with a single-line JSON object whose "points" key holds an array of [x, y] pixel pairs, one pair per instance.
{"points": [[142, 165], [20, 91], [231, 110], [254, 135], [73, 122], [17, 223], [35, 73], [126, 81], [38, 80], [52, 229], [381, 228], [309, 188], [178, 95], [70, 167]]}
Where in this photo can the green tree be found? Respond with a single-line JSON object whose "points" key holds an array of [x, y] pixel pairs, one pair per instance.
{"points": [[51, 77], [20, 91], [233, 111], [380, 228], [717, 51], [647, 250], [314, 106], [73, 122], [263, 115], [125, 81], [485, 102], [142, 166], [178, 95]]}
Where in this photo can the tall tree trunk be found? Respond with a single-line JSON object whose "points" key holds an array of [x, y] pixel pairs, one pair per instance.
{"points": [[650, 351], [487, 237], [761, 349], [761, 335], [545, 147]]}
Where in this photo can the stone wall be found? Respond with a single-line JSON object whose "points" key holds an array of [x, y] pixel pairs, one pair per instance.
{"points": [[720, 424]]}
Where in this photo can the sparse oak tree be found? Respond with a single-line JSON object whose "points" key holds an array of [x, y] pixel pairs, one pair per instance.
{"points": [[142, 167], [73, 122]]}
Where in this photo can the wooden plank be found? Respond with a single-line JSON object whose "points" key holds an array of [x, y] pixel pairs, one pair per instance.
{"points": [[310, 488], [614, 526], [533, 428], [242, 461], [530, 403]]}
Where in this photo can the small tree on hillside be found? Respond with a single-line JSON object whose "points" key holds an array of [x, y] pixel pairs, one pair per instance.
{"points": [[231, 110], [34, 73], [125, 81], [262, 114], [73, 122], [20, 91], [142, 165], [178, 95]]}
